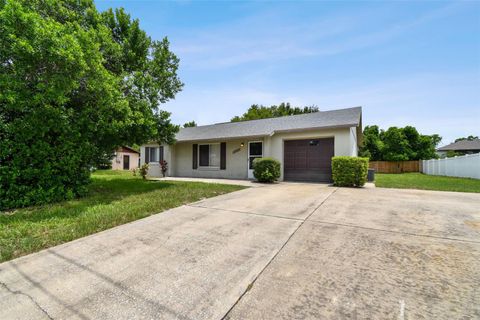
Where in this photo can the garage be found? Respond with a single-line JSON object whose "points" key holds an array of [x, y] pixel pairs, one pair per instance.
{"points": [[308, 159]]}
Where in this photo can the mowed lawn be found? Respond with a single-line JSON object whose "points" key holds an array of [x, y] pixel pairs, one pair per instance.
{"points": [[426, 182], [115, 198]]}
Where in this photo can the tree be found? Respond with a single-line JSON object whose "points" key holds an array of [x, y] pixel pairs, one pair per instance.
{"points": [[261, 112], [398, 144], [469, 138], [74, 85], [166, 130], [372, 144], [190, 124]]}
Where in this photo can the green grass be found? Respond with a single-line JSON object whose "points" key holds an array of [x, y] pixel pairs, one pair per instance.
{"points": [[115, 198], [426, 182]]}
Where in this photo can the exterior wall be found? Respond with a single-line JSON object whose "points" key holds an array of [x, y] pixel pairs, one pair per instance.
{"points": [[117, 161], [154, 169], [353, 142], [179, 156], [236, 161], [467, 166]]}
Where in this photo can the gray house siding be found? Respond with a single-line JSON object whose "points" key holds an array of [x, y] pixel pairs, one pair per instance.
{"points": [[343, 125], [179, 156], [236, 161]]}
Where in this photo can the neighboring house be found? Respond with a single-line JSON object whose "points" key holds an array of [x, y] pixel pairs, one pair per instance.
{"points": [[125, 159], [304, 144], [462, 147]]}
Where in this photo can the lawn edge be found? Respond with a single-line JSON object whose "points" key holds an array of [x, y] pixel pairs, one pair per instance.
{"points": [[118, 226]]}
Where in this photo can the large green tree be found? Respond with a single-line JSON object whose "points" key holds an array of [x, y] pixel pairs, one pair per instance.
{"points": [[190, 124], [74, 85], [397, 144], [469, 138], [283, 109]]}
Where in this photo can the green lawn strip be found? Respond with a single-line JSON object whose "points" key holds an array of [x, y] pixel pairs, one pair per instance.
{"points": [[115, 198], [426, 182]]}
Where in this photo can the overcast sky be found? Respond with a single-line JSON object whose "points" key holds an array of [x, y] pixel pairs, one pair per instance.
{"points": [[405, 63]]}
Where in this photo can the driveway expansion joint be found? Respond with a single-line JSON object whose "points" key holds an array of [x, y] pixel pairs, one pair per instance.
{"points": [[393, 231], [246, 212], [250, 285], [17, 292]]}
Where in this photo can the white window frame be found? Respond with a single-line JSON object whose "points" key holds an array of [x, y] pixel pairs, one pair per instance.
{"points": [[250, 171], [256, 156], [209, 166]]}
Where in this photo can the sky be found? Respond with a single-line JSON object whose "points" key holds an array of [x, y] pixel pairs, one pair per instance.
{"points": [[406, 63]]}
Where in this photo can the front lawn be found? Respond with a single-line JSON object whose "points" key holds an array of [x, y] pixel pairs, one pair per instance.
{"points": [[426, 182], [115, 198]]}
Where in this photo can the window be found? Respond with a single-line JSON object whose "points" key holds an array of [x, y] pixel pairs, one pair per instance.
{"points": [[209, 155], [153, 154]]}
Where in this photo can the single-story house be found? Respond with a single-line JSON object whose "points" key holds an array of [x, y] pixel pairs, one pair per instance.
{"points": [[462, 146], [304, 144], [125, 158]]}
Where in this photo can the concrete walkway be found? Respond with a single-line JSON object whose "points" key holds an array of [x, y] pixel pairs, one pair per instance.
{"points": [[304, 251], [246, 183]]}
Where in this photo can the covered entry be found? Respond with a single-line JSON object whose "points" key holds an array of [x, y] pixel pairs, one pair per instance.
{"points": [[308, 159]]}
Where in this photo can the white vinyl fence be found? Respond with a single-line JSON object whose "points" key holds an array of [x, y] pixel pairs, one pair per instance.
{"points": [[467, 166]]}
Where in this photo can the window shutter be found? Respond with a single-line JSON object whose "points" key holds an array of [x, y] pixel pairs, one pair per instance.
{"points": [[194, 156], [223, 156], [147, 154], [160, 151]]}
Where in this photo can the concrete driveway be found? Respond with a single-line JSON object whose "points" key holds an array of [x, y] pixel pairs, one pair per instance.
{"points": [[286, 251]]}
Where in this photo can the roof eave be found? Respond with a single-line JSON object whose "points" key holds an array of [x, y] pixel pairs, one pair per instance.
{"points": [[223, 138], [317, 128], [458, 149]]}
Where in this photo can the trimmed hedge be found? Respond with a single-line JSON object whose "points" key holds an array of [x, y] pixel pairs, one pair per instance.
{"points": [[266, 169], [349, 171]]}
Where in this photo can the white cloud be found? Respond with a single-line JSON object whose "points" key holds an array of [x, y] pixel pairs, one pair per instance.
{"points": [[438, 102], [275, 37], [434, 103]]}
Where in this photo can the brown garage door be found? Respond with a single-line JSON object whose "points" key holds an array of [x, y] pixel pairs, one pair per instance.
{"points": [[308, 160]]}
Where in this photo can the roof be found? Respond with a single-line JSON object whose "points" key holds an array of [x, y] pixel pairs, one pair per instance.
{"points": [[462, 145], [127, 149], [340, 118]]}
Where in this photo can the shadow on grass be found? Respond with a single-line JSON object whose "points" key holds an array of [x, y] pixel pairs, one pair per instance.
{"points": [[102, 192]]}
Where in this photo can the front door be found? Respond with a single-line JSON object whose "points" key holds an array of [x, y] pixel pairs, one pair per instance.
{"points": [[126, 162], [255, 150]]}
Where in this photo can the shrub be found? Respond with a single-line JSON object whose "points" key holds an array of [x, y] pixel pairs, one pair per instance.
{"points": [[164, 167], [349, 171], [266, 169], [143, 170]]}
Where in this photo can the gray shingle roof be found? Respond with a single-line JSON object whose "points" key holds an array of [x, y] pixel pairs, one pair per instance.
{"points": [[350, 117], [462, 145]]}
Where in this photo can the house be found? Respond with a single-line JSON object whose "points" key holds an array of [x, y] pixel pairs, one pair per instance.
{"points": [[304, 144], [462, 147], [125, 158]]}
